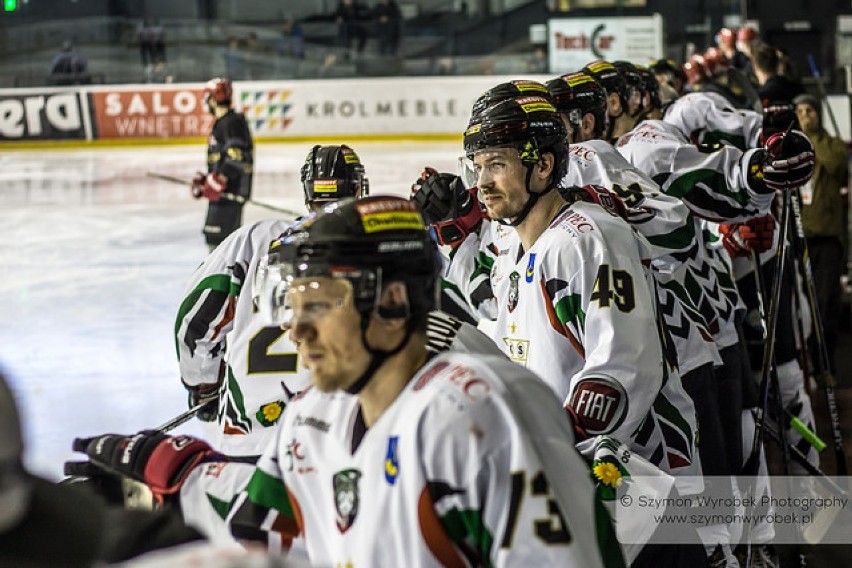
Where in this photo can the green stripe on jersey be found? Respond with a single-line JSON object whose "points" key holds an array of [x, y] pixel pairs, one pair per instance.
{"points": [[269, 491], [218, 282], [569, 310], [467, 529]]}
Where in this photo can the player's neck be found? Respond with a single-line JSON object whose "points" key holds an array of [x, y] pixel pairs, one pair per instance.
{"points": [[390, 379], [539, 218]]}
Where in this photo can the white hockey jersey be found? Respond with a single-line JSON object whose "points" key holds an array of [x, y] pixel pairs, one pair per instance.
{"points": [[473, 464], [708, 118], [262, 372], [668, 226], [577, 309], [714, 185]]}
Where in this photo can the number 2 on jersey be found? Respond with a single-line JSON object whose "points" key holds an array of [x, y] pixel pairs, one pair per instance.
{"points": [[260, 360]]}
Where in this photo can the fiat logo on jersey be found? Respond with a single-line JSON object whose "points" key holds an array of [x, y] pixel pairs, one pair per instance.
{"points": [[600, 404]]}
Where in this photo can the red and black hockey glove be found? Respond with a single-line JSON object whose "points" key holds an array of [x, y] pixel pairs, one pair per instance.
{"points": [[214, 186], [451, 210], [160, 461], [755, 235], [789, 161]]}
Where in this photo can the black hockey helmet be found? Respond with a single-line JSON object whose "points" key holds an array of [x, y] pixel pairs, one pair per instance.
{"points": [[220, 90], [651, 86], [608, 76], [368, 241], [333, 172], [577, 94], [633, 80], [530, 124], [508, 90]]}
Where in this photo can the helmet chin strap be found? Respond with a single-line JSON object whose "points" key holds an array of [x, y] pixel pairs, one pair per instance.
{"points": [[377, 356], [533, 197]]}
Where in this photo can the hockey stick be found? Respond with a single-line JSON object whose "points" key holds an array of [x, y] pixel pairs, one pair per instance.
{"points": [[822, 93], [227, 196], [825, 376], [183, 417], [753, 462]]}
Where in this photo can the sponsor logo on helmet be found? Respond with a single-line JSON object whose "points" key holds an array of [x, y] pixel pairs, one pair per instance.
{"points": [[473, 129], [325, 186], [578, 79], [346, 497], [535, 104], [389, 216], [529, 86], [600, 404], [392, 460]]}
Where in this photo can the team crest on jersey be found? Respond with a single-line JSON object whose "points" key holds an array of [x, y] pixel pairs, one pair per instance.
{"points": [[392, 460], [530, 268], [513, 291], [346, 497]]}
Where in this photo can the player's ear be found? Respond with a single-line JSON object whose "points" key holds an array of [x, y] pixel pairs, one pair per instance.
{"points": [[393, 304], [546, 164]]}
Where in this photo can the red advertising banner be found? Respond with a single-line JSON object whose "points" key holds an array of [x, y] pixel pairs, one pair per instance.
{"points": [[161, 112]]}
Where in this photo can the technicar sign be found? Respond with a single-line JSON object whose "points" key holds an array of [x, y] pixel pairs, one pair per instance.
{"points": [[576, 41], [41, 116]]}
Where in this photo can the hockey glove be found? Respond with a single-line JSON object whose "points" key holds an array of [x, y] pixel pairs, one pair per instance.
{"points": [[197, 186], [214, 186], [160, 461], [755, 235], [789, 161], [451, 211], [440, 196], [207, 395]]}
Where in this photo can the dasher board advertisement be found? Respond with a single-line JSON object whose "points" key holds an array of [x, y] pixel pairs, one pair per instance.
{"points": [[574, 42]]}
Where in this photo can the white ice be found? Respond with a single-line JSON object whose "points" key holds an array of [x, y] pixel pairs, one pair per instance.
{"points": [[96, 256]]}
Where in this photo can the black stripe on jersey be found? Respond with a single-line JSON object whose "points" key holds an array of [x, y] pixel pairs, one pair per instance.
{"points": [[246, 522], [199, 325]]}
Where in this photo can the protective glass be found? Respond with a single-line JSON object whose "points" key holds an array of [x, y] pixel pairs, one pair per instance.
{"points": [[286, 297], [467, 172]]}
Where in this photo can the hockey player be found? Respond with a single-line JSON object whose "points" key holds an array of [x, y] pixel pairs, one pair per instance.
{"points": [[227, 183], [247, 370], [467, 460], [550, 317]]}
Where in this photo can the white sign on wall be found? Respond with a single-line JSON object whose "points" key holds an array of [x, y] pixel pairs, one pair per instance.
{"points": [[574, 42]]}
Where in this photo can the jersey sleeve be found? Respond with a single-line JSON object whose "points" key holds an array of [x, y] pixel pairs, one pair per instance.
{"points": [[715, 183], [708, 119], [206, 314], [466, 281]]}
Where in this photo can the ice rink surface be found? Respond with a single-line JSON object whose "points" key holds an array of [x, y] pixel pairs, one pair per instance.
{"points": [[95, 257]]}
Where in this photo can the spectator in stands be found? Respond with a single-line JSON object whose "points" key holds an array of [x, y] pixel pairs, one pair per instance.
{"points": [[234, 66], [775, 89], [824, 217], [144, 34], [388, 21], [292, 41], [69, 67], [158, 42], [350, 19]]}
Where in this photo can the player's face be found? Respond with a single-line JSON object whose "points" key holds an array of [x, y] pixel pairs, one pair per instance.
{"points": [[502, 182], [326, 328]]}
